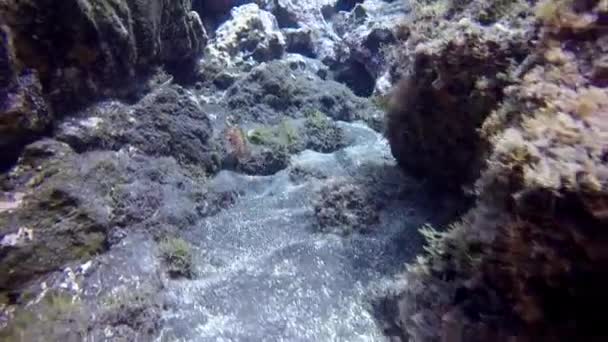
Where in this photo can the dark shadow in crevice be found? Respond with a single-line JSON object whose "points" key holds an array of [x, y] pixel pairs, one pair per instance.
{"points": [[356, 76], [284, 18], [346, 5], [303, 48], [183, 72], [8, 157], [215, 13], [9, 154], [328, 12]]}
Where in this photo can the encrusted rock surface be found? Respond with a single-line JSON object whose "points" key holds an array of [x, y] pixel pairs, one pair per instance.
{"points": [[525, 263], [284, 88], [103, 43], [250, 34], [452, 84], [343, 207], [167, 122], [56, 57], [368, 32]]}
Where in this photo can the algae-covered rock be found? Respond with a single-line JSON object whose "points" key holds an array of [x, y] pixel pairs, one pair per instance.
{"points": [[453, 84], [526, 263], [322, 133], [265, 161], [316, 132], [177, 255], [277, 89], [167, 122], [343, 208], [58, 218], [84, 49]]}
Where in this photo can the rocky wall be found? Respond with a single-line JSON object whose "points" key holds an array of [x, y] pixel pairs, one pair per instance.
{"points": [[57, 56], [526, 262]]}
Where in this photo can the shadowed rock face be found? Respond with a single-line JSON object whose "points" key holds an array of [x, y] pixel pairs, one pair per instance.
{"points": [[91, 48], [62, 55], [104, 42], [23, 111]]}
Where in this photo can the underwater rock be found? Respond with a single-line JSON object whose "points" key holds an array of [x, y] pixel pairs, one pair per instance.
{"points": [[526, 262], [257, 154], [264, 161], [277, 89], [369, 31], [115, 168], [316, 132], [308, 15], [251, 35], [167, 122], [69, 206], [343, 207], [322, 134], [453, 84], [59, 214], [86, 49], [23, 111], [299, 40]]}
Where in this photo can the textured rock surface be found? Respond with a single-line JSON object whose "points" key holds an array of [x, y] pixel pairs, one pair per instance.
{"points": [[343, 207], [453, 85], [112, 167], [345, 35], [102, 44], [519, 265], [56, 57], [168, 122], [368, 31], [58, 218], [308, 14], [23, 111], [251, 35], [289, 88]]}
